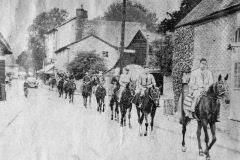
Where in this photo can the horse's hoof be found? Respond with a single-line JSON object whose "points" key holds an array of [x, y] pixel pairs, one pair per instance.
{"points": [[111, 118], [206, 152], [140, 134], [183, 149], [200, 152], [130, 126], [145, 134], [208, 158]]}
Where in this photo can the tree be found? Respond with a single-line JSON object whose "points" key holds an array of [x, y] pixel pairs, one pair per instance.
{"points": [[168, 24], [40, 26], [135, 12], [86, 61], [164, 51], [24, 60]]}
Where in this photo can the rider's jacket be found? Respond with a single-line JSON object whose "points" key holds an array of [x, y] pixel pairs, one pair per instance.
{"points": [[146, 80], [124, 79], [86, 79]]}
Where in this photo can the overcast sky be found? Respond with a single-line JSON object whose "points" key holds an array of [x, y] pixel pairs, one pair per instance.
{"points": [[17, 15]]}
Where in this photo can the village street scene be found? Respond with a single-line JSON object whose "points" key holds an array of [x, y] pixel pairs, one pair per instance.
{"points": [[119, 79]]}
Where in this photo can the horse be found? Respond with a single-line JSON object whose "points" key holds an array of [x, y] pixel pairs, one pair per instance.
{"points": [[126, 103], [206, 112], [71, 89], [114, 99], [150, 102], [100, 97], [60, 87], [52, 82], [87, 91], [66, 88]]}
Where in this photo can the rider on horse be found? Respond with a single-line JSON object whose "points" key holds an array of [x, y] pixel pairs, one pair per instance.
{"points": [[100, 79], [200, 81], [145, 81], [86, 78], [124, 79]]}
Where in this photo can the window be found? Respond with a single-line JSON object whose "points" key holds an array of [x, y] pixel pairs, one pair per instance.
{"points": [[237, 75], [237, 35], [105, 53]]}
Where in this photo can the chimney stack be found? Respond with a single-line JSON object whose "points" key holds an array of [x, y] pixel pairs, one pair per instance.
{"points": [[81, 17]]}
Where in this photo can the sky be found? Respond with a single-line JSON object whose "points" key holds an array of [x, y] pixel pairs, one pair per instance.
{"points": [[17, 15]]}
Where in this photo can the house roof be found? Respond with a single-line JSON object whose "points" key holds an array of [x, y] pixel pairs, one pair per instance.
{"points": [[110, 31], [210, 9], [5, 44], [66, 47]]}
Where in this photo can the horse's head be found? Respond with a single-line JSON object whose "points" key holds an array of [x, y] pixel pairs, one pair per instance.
{"points": [[154, 94], [131, 86], [221, 88]]}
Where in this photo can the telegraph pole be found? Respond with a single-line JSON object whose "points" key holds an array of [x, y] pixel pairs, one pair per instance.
{"points": [[122, 35]]}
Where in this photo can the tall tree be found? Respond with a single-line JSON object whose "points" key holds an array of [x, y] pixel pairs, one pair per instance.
{"points": [[168, 24], [86, 61], [24, 60], [135, 12], [41, 24]]}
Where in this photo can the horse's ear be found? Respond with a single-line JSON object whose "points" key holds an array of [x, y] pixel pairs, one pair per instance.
{"points": [[220, 77], [226, 78]]}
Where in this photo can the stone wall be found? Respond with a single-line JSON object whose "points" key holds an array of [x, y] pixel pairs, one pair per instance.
{"points": [[182, 57]]}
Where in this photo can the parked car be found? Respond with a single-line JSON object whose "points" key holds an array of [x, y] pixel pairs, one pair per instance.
{"points": [[32, 82]]}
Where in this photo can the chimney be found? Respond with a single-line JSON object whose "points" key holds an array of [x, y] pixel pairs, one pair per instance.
{"points": [[81, 17]]}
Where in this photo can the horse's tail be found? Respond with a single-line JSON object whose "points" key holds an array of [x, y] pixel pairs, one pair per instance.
{"points": [[183, 115]]}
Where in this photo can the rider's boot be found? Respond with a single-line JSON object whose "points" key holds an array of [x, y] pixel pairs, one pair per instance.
{"points": [[195, 116]]}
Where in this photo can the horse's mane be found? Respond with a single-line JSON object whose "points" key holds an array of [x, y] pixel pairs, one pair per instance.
{"points": [[212, 90]]}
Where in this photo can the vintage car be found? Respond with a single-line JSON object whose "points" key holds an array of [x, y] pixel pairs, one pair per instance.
{"points": [[32, 82]]}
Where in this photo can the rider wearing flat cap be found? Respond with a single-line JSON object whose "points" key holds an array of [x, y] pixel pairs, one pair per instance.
{"points": [[124, 79]]}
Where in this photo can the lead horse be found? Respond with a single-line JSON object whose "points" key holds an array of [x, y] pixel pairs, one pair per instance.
{"points": [[206, 112], [100, 97], [150, 102]]}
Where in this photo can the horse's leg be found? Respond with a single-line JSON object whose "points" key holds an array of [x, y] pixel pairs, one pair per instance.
{"points": [[117, 111], [199, 140], [146, 123], [152, 118], [72, 97], [129, 116], [90, 99], [206, 140], [103, 101], [140, 120], [184, 129], [85, 101], [111, 106], [214, 139]]}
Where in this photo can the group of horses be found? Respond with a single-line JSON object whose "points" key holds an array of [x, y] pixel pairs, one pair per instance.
{"points": [[147, 105]]}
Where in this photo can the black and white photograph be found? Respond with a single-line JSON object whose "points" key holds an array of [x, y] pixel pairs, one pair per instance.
{"points": [[119, 79]]}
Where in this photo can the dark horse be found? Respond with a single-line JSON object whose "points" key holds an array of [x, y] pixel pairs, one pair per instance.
{"points": [[100, 97], [150, 102], [126, 103], [206, 112], [114, 99], [87, 91], [66, 88], [71, 89], [52, 82], [60, 87]]}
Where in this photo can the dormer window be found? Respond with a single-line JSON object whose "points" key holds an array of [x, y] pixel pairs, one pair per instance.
{"points": [[105, 53]]}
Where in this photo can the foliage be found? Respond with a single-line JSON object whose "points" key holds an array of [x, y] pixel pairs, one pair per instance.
{"points": [[164, 51], [168, 24], [86, 61], [25, 60], [40, 26], [182, 57], [135, 12]]}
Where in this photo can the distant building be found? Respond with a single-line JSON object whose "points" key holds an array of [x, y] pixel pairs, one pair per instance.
{"points": [[4, 50], [79, 33]]}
